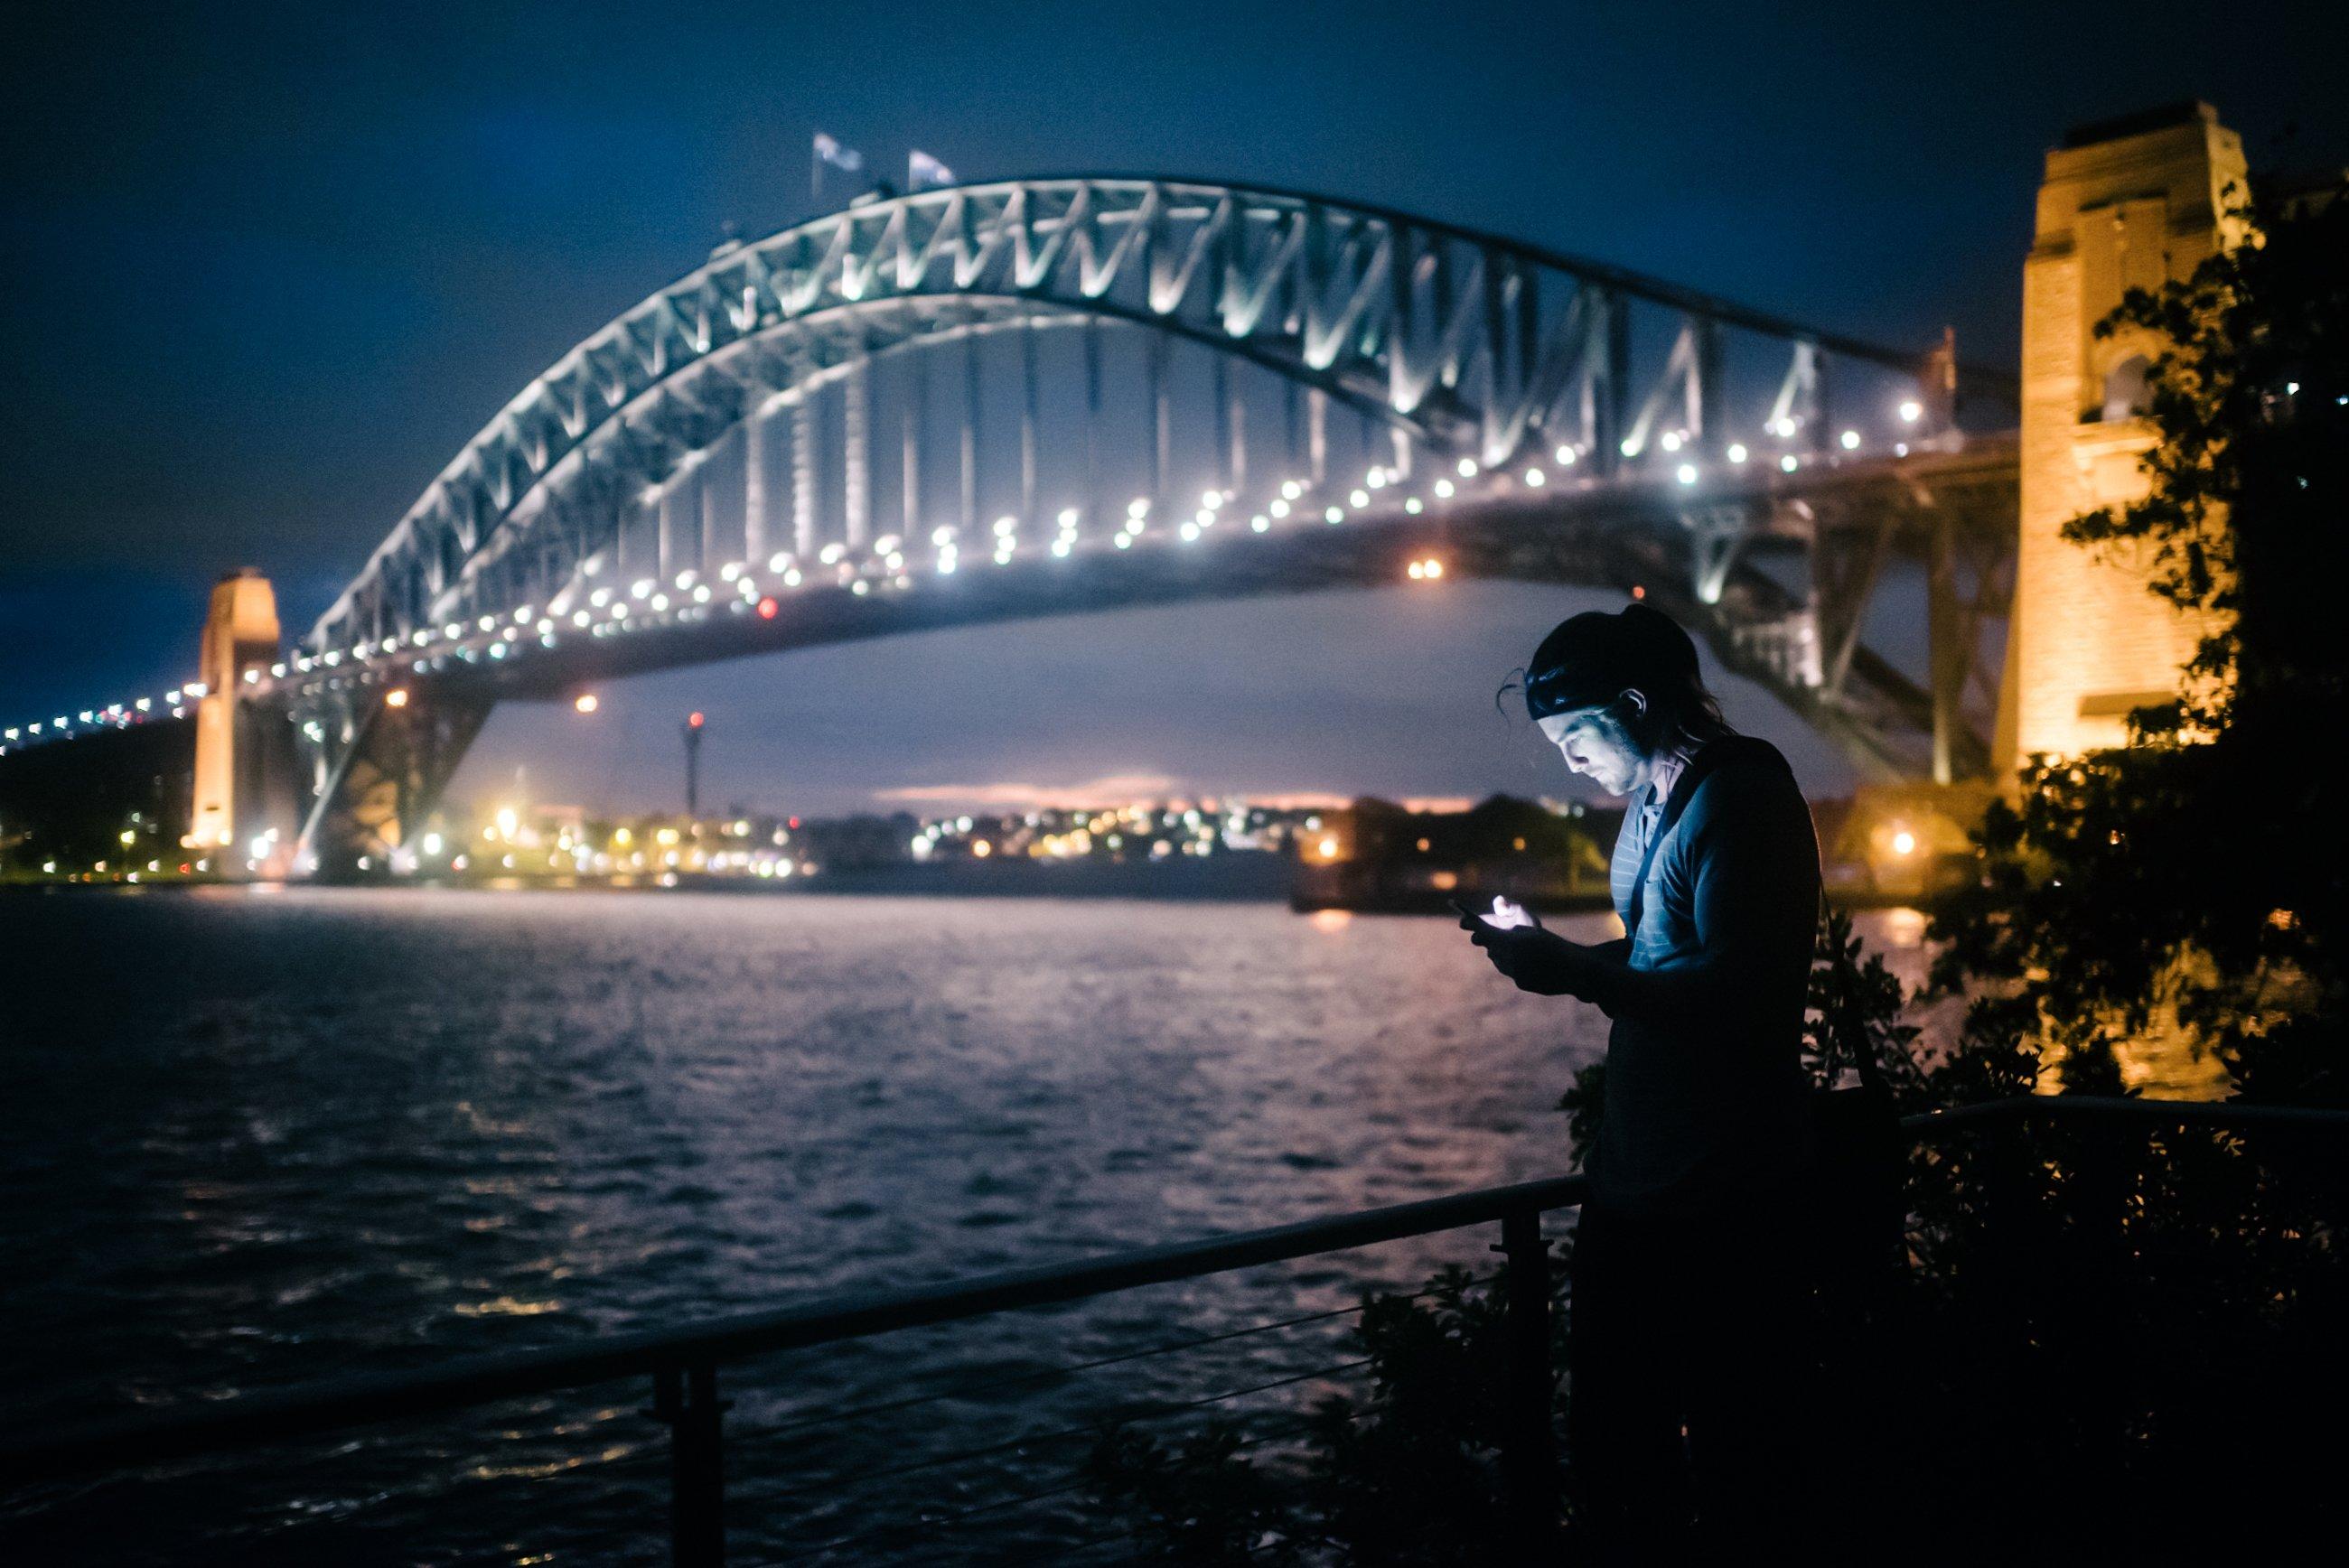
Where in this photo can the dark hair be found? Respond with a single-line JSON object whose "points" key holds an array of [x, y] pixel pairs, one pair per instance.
{"points": [[1589, 660]]}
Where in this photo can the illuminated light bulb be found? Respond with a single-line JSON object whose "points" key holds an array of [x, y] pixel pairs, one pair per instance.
{"points": [[791, 577], [1059, 547], [1566, 456], [1904, 842], [1434, 567], [1124, 540], [1417, 571], [779, 562], [946, 565], [585, 702], [1789, 464], [1850, 441], [701, 594], [1259, 523], [1413, 505], [1290, 489], [1138, 507], [1737, 451], [830, 553], [487, 622], [1190, 531], [1376, 478], [860, 587], [1536, 479], [640, 588], [1910, 412], [1068, 517], [660, 601], [1004, 525], [1359, 499], [1203, 518], [1467, 468], [1685, 473], [1211, 499], [1631, 448], [1443, 489], [730, 570], [1671, 441], [1335, 514], [1279, 509], [580, 617]]}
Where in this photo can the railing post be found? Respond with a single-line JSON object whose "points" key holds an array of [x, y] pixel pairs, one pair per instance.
{"points": [[687, 1400], [1528, 1451]]}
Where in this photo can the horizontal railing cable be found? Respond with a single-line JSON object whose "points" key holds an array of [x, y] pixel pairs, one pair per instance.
{"points": [[280, 1414]]}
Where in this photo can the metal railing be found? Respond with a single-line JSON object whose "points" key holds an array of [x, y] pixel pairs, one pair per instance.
{"points": [[683, 1363]]}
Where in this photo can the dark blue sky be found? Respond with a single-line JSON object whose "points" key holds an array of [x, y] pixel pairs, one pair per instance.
{"points": [[268, 267]]}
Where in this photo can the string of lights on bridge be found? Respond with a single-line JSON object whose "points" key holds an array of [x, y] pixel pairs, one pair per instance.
{"points": [[757, 588]]}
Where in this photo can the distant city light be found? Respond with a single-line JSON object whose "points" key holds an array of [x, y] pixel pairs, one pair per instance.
{"points": [[1904, 842], [1685, 473], [1912, 411], [1536, 479], [1737, 453], [767, 608], [1467, 468], [586, 702], [395, 698], [1789, 462], [1850, 441]]}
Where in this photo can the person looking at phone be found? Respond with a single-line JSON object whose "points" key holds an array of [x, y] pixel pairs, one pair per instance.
{"points": [[1686, 1355]]}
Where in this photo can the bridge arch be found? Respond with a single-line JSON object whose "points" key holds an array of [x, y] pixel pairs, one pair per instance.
{"points": [[1465, 343]]}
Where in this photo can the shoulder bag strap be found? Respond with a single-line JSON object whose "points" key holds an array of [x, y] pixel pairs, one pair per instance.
{"points": [[1693, 774]]}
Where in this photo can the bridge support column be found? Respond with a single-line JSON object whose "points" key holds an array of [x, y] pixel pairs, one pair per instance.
{"points": [[806, 475], [856, 438], [916, 418], [754, 490], [2128, 205], [1028, 423], [233, 760]]}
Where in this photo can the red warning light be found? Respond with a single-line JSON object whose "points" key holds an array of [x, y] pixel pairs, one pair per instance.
{"points": [[1638, 591], [694, 720], [794, 822], [767, 608]]}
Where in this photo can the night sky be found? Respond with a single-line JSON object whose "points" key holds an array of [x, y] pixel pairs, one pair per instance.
{"points": [[268, 267]]}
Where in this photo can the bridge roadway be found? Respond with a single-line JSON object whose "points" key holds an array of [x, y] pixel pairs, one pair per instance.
{"points": [[1799, 639]]}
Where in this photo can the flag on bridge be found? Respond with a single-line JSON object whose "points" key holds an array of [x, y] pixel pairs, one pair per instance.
{"points": [[828, 149], [921, 169]]}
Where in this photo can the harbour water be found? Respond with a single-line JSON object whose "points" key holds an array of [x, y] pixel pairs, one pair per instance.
{"points": [[252, 1137]]}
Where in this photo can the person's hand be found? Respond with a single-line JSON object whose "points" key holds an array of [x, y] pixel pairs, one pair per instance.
{"points": [[1535, 960]]}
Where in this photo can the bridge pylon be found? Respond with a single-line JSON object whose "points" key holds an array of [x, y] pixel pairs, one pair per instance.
{"points": [[2128, 203], [242, 775]]}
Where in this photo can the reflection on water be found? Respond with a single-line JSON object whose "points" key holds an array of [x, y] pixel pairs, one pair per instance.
{"points": [[252, 1139]]}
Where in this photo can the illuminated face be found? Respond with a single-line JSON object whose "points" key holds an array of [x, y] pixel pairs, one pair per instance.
{"points": [[1596, 744]]}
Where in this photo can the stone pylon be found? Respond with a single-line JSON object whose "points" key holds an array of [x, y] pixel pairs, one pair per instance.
{"points": [[2129, 203], [241, 634]]}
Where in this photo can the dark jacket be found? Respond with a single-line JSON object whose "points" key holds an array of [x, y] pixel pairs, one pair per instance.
{"points": [[1706, 1102]]}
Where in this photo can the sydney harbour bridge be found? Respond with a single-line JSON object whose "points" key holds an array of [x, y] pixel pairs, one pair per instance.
{"points": [[1041, 397]]}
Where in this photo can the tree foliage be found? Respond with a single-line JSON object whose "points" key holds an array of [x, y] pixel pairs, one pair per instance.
{"points": [[2193, 880]]}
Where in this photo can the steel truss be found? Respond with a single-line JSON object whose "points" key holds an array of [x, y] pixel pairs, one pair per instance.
{"points": [[1464, 343]]}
